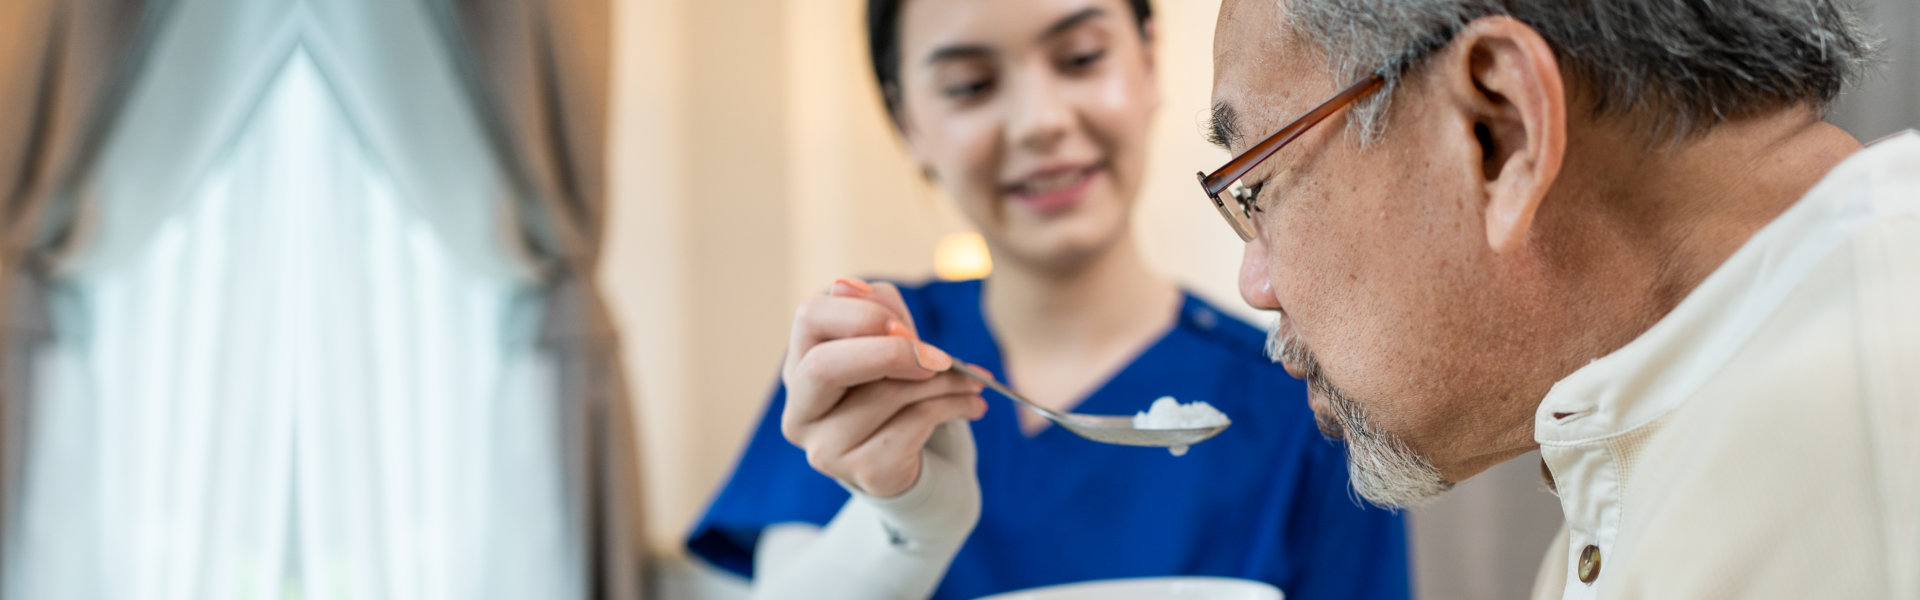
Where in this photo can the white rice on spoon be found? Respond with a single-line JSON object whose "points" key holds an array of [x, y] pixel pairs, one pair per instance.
{"points": [[1167, 413]]}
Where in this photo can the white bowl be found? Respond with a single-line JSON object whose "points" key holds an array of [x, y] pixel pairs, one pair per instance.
{"points": [[1151, 588]]}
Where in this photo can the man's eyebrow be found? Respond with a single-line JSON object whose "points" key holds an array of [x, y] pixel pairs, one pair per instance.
{"points": [[1223, 128], [1064, 24]]}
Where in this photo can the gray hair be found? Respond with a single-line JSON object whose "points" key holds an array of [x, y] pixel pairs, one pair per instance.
{"points": [[1679, 66]]}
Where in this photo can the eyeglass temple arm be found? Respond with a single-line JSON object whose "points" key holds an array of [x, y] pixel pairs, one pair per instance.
{"points": [[1239, 166]]}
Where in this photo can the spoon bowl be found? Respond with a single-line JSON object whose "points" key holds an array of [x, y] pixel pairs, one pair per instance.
{"points": [[1105, 429]]}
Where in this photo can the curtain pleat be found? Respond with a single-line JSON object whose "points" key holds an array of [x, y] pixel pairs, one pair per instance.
{"points": [[539, 71], [65, 67]]}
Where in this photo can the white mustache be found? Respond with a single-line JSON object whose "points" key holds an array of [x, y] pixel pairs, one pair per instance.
{"points": [[1289, 350], [1382, 467]]}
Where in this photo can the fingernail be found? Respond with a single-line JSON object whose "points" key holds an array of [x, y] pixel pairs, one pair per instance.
{"points": [[982, 413], [896, 329], [847, 287], [931, 358]]}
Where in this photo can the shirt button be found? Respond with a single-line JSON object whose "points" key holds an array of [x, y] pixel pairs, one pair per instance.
{"points": [[1589, 564]]}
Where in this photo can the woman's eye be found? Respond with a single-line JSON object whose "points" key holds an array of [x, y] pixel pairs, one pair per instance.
{"points": [[968, 90], [1085, 59]]}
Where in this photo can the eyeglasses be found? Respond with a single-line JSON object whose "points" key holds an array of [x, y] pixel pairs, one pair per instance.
{"points": [[1227, 179], [1240, 213]]}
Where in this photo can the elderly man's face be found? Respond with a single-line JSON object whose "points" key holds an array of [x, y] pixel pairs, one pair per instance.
{"points": [[1393, 305]]}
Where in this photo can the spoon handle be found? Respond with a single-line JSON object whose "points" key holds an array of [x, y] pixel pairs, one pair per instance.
{"points": [[981, 376]]}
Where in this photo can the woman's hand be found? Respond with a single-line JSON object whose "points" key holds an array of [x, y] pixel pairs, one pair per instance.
{"points": [[863, 393]]}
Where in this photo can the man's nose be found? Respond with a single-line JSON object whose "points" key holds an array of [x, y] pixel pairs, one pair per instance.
{"points": [[1255, 287]]}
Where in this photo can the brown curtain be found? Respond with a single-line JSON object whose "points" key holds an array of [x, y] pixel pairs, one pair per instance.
{"points": [[65, 65], [538, 70]]}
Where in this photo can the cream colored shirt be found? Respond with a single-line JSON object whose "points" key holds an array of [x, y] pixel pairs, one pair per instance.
{"points": [[1763, 439]]}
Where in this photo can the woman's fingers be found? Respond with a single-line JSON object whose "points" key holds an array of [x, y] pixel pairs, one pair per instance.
{"points": [[842, 444], [888, 296], [867, 407], [888, 463], [816, 382], [823, 318], [863, 393]]}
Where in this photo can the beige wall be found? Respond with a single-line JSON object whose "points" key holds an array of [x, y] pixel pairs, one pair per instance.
{"points": [[752, 166]]}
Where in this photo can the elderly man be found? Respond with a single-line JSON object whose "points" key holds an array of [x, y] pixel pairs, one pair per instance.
{"points": [[1618, 232]]}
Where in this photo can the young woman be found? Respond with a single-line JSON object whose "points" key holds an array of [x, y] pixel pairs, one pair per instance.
{"points": [[876, 473]]}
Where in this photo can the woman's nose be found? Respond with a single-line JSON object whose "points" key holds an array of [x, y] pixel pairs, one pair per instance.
{"points": [[1040, 117], [1256, 287]]}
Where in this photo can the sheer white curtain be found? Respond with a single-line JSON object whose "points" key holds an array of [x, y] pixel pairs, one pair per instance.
{"points": [[296, 361]]}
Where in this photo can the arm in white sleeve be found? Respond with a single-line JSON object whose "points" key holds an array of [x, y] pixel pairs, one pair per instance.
{"points": [[880, 548]]}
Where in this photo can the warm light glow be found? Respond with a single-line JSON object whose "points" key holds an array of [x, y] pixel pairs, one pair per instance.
{"points": [[961, 256]]}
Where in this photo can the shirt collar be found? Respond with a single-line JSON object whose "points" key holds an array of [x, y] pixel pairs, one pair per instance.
{"points": [[1655, 373]]}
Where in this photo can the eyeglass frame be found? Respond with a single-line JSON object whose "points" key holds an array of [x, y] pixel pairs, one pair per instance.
{"points": [[1227, 177]]}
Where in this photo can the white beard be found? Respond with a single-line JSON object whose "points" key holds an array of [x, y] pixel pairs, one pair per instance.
{"points": [[1382, 467]]}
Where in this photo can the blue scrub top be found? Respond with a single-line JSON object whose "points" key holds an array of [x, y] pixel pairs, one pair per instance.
{"points": [[1267, 499]]}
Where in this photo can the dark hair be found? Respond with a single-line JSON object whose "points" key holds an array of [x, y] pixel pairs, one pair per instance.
{"points": [[883, 43]]}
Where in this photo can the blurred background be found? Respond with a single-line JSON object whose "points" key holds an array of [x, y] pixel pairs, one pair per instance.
{"points": [[520, 294], [752, 164]]}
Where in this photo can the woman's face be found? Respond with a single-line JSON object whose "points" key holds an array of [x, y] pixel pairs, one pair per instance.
{"points": [[1033, 115]]}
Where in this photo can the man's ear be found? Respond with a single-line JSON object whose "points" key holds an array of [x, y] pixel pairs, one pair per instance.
{"points": [[1509, 82]]}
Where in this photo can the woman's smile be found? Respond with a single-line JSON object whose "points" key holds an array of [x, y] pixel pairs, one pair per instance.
{"points": [[1053, 190]]}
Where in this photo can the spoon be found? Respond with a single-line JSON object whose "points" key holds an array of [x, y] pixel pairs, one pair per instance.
{"points": [[1099, 428]]}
